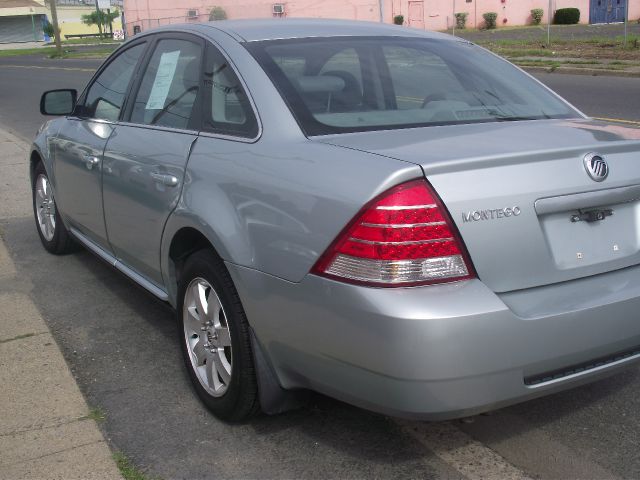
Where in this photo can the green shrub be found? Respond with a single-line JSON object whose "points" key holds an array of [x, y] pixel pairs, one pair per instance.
{"points": [[566, 16], [536, 15], [461, 20], [398, 19], [48, 30], [490, 20], [217, 13]]}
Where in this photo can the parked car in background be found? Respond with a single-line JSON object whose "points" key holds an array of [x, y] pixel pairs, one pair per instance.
{"points": [[397, 219]]}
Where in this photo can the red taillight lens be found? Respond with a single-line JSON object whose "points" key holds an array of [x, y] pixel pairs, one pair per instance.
{"points": [[403, 237]]}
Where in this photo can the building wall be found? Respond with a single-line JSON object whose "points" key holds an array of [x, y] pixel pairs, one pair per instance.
{"points": [[19, 11], [70, 23], [69, 17], [429, 14]]}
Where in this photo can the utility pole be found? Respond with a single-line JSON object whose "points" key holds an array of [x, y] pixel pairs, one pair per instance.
{"points": [[381, 6], [549, 25], [56, 30], [626, 20], [454, 18]]}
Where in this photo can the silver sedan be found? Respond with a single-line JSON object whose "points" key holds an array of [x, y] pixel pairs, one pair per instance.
{"points": [[397, 219]]}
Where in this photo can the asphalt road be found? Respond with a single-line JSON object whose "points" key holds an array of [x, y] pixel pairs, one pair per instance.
{"points": [[121, 345]]}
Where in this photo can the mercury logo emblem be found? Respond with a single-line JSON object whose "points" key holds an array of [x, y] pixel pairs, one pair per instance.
{"points": [[596, 166]]}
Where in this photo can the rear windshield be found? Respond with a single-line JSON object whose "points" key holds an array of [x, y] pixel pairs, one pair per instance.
{"points": [[351, 84]]}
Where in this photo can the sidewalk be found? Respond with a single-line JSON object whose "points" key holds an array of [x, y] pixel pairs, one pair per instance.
{"points": [[45, 427], [21, 45]]}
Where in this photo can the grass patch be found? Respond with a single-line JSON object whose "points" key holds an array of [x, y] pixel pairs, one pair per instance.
{"points": [[595, 48], [90, 40], [51, 52], [19, 337], [582, 62], [525, 52], [91, 54], [538, 63], [97, 414], [27, 51], [128, 470]]}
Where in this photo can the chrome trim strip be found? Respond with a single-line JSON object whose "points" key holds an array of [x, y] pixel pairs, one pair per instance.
{"points": [[407, 207], [221, 136], [161, 128], [583, 373], [104, 255], [143, 282], [595, 198], [417, 242], [114, 262], [402, 225]]}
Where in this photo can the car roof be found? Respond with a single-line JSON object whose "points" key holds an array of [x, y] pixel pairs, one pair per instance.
{"points": [[273, 29]]}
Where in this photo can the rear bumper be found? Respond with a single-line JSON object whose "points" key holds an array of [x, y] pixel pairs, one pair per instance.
{"points": [[442, 351]]}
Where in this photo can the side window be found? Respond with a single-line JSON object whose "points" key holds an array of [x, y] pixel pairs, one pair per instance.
{"points": [[292, 67], [230, 110], [106, 94], [344, 67], [169, 85], [419, 77]]}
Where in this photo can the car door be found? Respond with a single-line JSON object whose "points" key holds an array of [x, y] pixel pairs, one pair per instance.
{"points": [[80, 144], [146, 156]]}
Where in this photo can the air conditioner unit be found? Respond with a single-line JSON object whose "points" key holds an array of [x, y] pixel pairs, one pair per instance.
{"points": [[278, 8], [192, 14]]}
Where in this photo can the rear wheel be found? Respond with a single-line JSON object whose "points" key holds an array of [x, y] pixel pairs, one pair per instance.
{"points": [[52, 231], [215, 338]]}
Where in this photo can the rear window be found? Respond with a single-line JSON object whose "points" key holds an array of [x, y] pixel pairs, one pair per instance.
{"points": [[351, 84]]}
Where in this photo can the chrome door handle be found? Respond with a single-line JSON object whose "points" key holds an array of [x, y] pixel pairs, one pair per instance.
{"points": [[90, 161], [164, 179]]}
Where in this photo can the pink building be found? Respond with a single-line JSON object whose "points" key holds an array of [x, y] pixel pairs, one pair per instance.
{"points": [[424, 14]]}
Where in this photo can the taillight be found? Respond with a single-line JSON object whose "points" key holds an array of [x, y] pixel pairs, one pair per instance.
{"points": [[403, 237]]}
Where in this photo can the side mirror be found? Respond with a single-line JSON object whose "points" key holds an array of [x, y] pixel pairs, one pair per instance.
{"points": [[58, 102]]}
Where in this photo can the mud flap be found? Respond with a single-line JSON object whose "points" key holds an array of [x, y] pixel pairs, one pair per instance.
{"points": [[273, 398]]}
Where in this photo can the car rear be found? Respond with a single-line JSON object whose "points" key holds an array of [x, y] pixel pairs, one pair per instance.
{"points": [[508, 270]]}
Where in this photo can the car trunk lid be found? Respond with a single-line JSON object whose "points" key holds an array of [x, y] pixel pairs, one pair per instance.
{"points": [[521, 197]]}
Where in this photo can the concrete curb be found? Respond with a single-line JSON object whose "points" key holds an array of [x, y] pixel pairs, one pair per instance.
{"points": [[45, 425], [583, 71]]}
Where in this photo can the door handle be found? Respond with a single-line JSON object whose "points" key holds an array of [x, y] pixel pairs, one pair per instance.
{"points": [[90, 161], [164, 179]]}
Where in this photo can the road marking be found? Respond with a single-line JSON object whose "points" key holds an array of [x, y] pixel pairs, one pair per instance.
{"points": [[75, 69], [619, 120], [460, 451]]}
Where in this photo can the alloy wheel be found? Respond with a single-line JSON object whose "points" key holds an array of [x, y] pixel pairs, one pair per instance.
{"points": [[45, 208], [207, 337]]}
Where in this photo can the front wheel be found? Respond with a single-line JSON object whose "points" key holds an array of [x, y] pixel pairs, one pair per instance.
{"points": [[52, 231], [215, 338]]}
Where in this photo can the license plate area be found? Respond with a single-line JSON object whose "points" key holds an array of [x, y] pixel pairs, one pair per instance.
{"points": [[578, 243]]}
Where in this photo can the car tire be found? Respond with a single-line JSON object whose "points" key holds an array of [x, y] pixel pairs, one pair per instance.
{"points": [[215, 338], [52, 231]]}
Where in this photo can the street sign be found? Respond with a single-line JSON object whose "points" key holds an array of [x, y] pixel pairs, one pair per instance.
{"points": [[104, 4]]}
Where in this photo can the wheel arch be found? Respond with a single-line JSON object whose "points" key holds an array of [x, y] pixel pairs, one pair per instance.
{"points": [[34, 159], [176, 247]]}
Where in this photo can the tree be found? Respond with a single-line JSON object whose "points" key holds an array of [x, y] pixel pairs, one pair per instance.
{"points": [[109, 18], [217, 13], [93, 18], [100, 18]]}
